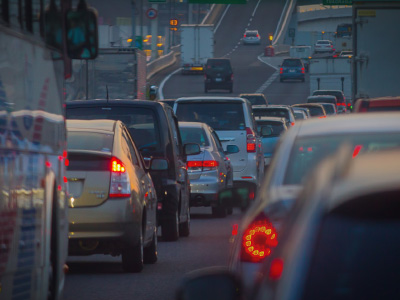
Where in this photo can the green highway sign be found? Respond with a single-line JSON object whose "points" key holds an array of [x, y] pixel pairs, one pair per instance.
{"points": [[219, 1], [157, 1], [337, 2]]}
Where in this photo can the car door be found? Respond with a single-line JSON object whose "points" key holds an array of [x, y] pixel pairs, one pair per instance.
{"points": [[224, 162]]}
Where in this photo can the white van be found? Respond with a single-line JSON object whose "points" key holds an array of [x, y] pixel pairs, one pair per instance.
{"points": [[303, 52]]}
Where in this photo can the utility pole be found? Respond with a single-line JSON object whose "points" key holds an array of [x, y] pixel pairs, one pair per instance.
{"points": [[133, 35]]}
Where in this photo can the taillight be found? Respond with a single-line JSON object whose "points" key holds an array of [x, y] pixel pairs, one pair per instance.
{"points": [[198, 165], [322, 117], [281, 70], [119, 184], [349, 104], [276, 269], [251, 140], [258, 240], [303, 70], [258, 35], [292, 123], [245, 36]]}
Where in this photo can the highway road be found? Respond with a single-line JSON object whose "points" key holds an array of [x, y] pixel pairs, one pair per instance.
{"points": [[101, 277]]}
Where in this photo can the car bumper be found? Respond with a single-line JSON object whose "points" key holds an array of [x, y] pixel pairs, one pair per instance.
{"points": [[219, 85], [205, 188], [292, 76], [253, 42]]}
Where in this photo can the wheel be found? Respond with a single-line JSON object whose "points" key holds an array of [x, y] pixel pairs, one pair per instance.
{"points": [[184, 228], [132, 256], [219, 211], [170, 228], [281, 79], [150, 253]]}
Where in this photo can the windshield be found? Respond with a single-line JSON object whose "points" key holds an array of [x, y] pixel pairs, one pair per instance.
{"points": [[337, 94], [277, 128], [218, 115], [307, 152], [272, 112], [255, 100], [141, 123], [194, 135]]}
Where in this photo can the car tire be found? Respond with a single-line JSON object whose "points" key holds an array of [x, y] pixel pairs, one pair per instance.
{"points": [[170, 229], [184, 228], [281, 79], [150, 253], [218, 211], [303, 79], [132, 256]]}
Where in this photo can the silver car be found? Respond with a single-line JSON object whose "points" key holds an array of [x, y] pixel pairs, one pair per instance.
{"points": [[210, 172], [251, 37], [301, 148]]}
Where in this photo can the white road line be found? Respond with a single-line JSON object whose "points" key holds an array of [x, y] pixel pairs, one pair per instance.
{"points": [[222, 17], [255, 9], [248, 24], [209, 12], [160, 89], [270, 80], [251, 19]]}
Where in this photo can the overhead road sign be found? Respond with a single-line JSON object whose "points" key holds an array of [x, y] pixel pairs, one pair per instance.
{"points": [[218, 1], [337, 2]]}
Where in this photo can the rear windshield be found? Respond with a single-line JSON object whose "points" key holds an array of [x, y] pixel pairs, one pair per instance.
{"points": [[291, 63], [272, 112], [251, 34], [323, 42], [218, 115], [255, 100], [322, 100], [194, 135], [299, 115], [329, 109], [219, 65], [277, 128], [307, 152], [141, 122], [337, 94], [315, 111], [84, 140], [355, 259]]}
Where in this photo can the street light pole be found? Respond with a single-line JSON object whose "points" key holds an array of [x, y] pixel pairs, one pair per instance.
{"points": [[133, 24]]}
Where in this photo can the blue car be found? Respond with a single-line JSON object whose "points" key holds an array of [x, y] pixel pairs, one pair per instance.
{"points": [[292, 68], [270, 129]]}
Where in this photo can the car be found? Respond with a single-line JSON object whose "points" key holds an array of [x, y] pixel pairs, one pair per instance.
{"points": [[251, 37], [292, 68], [347, 204], [270, 129], [154, 128], [106, 176], [323, 99], [299, 151], [218, 75], [304, 110], [330, 109], [340, 98], [323, 46], [346, 54], [255, 99], [281, 111], [233, 121], [377, 104], [316, 109], [300, 115], [210, 172], [169, 102]]}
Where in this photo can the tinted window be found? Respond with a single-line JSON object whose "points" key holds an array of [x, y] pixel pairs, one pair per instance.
{"points": [[272, 112], [355, 259], [194, 135], [87, 162], [218, 65], [308, 152], [276, 127], [321, 100], [218, 115], [83, 140], [255, 100], [251, 34], [299, 115], [141, 122], [291, 63], [337, 94], [329, 109], [315, 111]]}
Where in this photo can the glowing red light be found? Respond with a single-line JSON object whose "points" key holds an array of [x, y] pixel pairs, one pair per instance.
{"points": [[251, 147], [48, 164], [252, 195], [309, 149], [65, 179], [67, 162], [65, 154], [235, 229], [292, 123], [59, 188], [194, 164], [117, 166], [357, 150], [301, 149], [276, 269]]}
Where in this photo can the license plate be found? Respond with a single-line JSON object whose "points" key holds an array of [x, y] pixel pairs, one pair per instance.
{"points": [[291, 71], [218, 79]]}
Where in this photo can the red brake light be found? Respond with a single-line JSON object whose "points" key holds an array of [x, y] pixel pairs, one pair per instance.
{"points": [[206, 165], [258, 35], [357, 150], [292, 123], [194, 164], [119, 182], [210, 163], [303, 70], [258, 240], [276, 269], [281, 70], [244, 35], [251, 140]]}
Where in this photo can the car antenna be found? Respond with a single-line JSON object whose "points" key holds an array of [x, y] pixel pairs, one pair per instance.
{"points": [[107, 92]]}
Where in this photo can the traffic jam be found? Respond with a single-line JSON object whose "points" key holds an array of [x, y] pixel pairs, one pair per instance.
{"points": [[205, 178]]}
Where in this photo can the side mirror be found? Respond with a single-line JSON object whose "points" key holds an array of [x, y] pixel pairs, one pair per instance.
{"points": [[191, 149], [82, 33], [266, 131], [214, 283], [158, 164], [231, 149]]}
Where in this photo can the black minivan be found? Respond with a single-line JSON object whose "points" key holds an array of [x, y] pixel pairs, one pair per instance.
{"points": [[218, 75], [154, 129]]}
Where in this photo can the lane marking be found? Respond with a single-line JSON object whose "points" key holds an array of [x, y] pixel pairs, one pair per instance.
{"points": [[208, 14], [248, 24], [160, 89], [222, 17], [270, 80], [255, 9], [282, 26]]}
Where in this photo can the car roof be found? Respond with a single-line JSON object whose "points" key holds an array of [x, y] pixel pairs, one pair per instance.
{"points": [[192, 124], [266, 118], [322, 96], [252, 94], [307, 104], [210, 99], [111, 102], [351, 123], [99, 124], [269, 106]]}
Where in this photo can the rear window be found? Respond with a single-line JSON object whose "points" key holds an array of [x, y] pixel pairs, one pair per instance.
{"points": [[298, 115], [321, 100], [277, 128], [251, 34], [84, 140], [323, 43], [354, 249], [291, 63], [218, 115], [255, 100], [337, 94], [315, 111], [88, 162], [329, 109], [272, 112], [219, 65], [194, 135], [141, 122]]}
